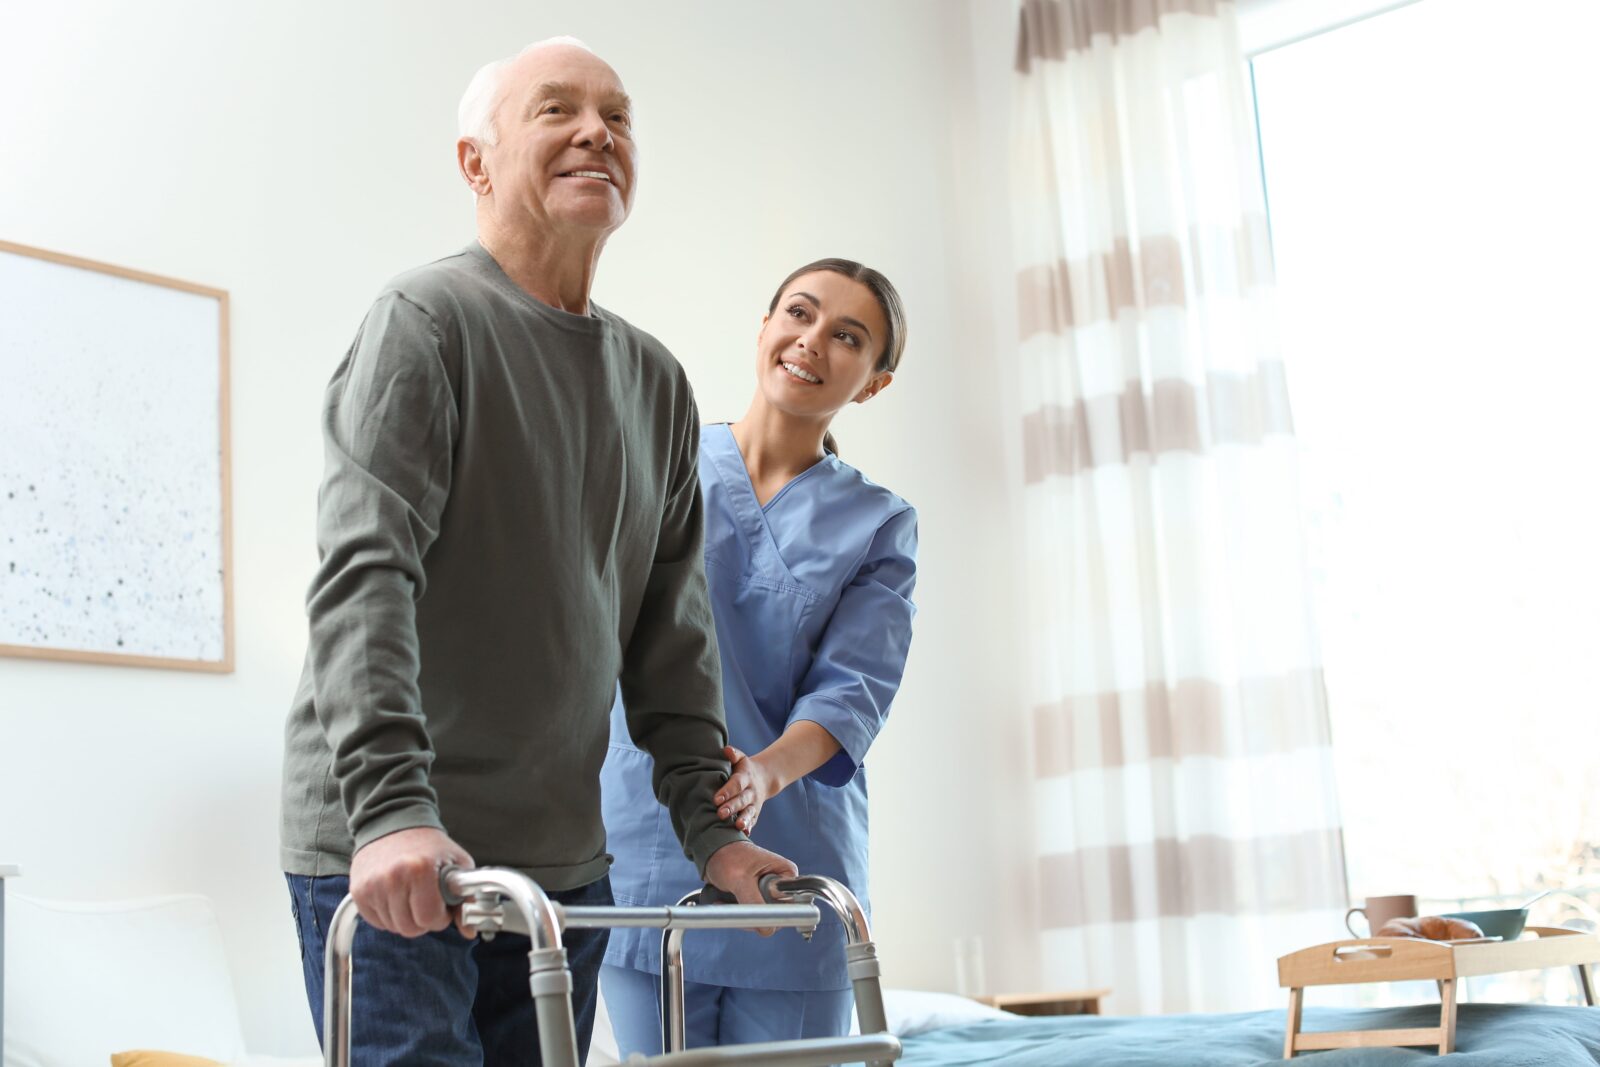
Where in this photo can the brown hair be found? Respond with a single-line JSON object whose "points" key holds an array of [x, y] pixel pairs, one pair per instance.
{"points": [[894, 313]]}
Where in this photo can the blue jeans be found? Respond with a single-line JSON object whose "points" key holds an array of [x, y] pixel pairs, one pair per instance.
{"points": [[442, 999], [719, 1015]]}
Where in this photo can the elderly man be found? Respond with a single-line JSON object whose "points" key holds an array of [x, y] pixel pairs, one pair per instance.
{"points": [[509, 525]]}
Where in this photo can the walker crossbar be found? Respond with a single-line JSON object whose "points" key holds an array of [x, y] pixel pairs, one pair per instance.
{"points": [[718, 917], [871, 1048], [496, 899]]}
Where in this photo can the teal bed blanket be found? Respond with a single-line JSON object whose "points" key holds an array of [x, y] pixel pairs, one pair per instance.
{"points": [[1487, 1035]]}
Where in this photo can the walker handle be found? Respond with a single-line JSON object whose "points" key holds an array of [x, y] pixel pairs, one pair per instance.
{"points": [[451, 897], [710, 894]]}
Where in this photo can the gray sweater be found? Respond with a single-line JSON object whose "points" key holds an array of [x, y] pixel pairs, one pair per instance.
{"points": [[509, 523]]}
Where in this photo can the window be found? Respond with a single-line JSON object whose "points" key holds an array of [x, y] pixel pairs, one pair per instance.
{"points": [[1431, 175]]}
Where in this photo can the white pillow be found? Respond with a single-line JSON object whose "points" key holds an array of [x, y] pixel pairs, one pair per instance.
{"points": [[913, 1011], [84, 980]]}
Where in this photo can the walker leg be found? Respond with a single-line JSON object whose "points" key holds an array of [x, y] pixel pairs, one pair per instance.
{"points": [[674, 1018]]}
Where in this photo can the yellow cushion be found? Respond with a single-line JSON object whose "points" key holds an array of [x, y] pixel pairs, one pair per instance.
{"points": [[144, 1058]]}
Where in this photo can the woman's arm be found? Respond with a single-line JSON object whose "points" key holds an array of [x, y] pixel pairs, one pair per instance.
{"points": [[845, 696], [755, 779]]}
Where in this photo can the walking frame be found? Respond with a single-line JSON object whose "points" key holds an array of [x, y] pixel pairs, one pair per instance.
{"points": [[493, 899]]}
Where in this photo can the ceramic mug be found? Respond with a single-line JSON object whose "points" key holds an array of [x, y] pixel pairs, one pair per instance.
{"points": [[1379, 910]]}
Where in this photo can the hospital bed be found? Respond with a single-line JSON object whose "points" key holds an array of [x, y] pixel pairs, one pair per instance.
{"points": [[494, 900], [1487, 1035]]}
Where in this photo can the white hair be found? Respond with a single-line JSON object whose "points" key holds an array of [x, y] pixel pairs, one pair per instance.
{"points": [[475, 114]]}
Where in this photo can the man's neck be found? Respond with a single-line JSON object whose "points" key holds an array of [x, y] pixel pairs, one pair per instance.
{"points": [[551, 270]]}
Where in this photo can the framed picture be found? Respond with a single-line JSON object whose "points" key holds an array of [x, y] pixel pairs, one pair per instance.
{"points": [[115, 516]]}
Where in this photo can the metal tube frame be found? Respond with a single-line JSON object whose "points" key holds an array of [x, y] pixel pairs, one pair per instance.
{"points": [[674, 1021], [484, 893], [861, 956]]}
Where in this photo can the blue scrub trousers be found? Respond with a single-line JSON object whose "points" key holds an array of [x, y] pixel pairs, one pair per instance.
{"points": [[717, 1015], [441, 999]]}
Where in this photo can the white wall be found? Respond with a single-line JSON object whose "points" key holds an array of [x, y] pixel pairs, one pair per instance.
{"points": [[297, 154]]}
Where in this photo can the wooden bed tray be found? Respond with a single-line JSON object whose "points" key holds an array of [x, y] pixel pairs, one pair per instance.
{"points": [[1397, 959]]}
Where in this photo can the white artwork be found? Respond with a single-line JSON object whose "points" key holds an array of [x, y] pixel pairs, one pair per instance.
{"points": [[113, 452]]}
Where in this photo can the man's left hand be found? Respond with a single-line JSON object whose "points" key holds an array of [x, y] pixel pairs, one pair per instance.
{"points": [[738, 868]]}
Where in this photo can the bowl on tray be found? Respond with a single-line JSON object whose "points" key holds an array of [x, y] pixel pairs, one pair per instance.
{"points": [[1504, 923]]}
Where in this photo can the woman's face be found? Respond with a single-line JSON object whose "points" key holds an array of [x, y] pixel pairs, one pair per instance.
{"points": [[817, 349]]}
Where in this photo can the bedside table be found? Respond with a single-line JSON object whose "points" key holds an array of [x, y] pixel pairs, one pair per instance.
{"points": [[1080, 1002]]}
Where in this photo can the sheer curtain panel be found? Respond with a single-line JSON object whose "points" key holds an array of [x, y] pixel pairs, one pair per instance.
{"points": [[1189, 828]]}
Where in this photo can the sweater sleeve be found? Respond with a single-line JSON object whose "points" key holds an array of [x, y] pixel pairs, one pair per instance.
{"points": [[389, 425], [671, 677], [862, 654]]}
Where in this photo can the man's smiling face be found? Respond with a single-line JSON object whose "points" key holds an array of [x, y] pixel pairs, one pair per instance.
{"points": [[564, 156]]}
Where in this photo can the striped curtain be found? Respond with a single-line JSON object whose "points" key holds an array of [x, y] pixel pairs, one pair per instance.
{"points": [[1188, 824]]}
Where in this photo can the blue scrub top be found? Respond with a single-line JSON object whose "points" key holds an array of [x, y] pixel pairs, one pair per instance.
{"points": [[812, 600]]}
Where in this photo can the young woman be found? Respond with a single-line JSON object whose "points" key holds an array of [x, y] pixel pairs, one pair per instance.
{"points": [[811, 568]]}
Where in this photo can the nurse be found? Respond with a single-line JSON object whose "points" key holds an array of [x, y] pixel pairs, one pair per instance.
{"points": [[811, 568]]}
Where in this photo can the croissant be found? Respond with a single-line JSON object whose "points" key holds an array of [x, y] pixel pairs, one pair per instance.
{"points": [[1430, 928]]}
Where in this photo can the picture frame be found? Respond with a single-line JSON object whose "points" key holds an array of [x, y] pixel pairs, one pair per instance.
{"points": [[115, 485]]}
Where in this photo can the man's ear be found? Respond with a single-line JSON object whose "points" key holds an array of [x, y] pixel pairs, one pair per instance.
{"points": [[875, 385], [469, 157]]}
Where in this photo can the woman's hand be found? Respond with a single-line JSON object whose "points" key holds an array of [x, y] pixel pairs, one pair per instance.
{"points": [[750, 784]]}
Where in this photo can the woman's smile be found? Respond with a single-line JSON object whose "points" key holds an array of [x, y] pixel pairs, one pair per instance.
{"points": [[800, 373]]}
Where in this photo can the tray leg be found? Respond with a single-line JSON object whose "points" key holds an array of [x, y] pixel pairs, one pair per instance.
{"points": [[1585, 979], [1447, 1016], [1293, 1029]]}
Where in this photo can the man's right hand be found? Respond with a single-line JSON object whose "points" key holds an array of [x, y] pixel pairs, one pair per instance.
{"points": [[395, 881]]}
